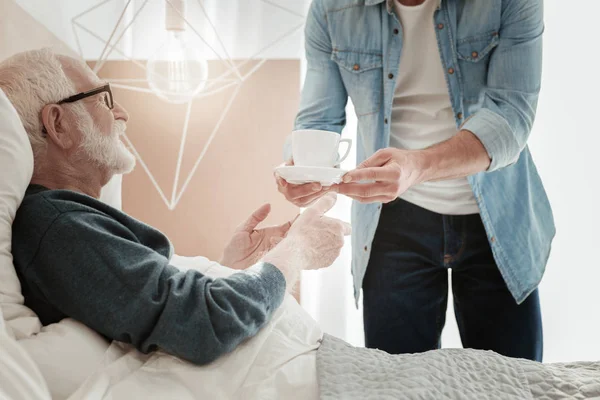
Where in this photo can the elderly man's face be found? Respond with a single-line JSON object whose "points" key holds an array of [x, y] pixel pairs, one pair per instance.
{"points": [[100, 128]]}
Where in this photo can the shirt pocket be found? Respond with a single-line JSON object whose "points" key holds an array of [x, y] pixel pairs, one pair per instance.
{"points": [[474, 53], [362, 73]]}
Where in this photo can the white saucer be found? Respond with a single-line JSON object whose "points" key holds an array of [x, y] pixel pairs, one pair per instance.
{"points": [[299, 175]]}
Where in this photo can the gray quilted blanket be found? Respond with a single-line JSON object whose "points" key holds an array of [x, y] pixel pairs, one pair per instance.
{"points": [[347, 372]]}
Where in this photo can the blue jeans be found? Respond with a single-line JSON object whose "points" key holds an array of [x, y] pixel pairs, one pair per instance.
{"points": [[406, 287]]}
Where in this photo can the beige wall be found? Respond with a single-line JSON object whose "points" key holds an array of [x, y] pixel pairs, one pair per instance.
{"points": [[19, 31], [235, 176]]}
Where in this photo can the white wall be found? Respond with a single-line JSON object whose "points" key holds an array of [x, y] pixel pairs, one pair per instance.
{"points": [[565, 145], [19, 31]]}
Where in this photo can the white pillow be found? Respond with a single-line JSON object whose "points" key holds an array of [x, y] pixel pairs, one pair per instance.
{"points": [[16, 164], [111, 193], [67, 352]]}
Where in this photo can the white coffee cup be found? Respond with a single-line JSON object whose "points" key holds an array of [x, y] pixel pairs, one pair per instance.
{"points": [[315, 148]]}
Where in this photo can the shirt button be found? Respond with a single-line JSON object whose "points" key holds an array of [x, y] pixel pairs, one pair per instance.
{"points": [[474, 54], [366, 248], [440, 26], [459, 115], [379, 207], [391, 76], [396, 31], [385, 121], [493, 239], [451, 71], [356, 67]]}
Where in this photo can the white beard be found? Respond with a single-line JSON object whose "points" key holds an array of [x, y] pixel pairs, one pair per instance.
{"points": [[106, 151]]}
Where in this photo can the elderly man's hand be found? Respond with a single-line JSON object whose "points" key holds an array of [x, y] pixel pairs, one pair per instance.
{"points": [[318, 238], [248, 244], [314, 241]]}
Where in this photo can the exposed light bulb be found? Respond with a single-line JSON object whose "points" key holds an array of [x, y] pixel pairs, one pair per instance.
{"points": [[176, 72]]}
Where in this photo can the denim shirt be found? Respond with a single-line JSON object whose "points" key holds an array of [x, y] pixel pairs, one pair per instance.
{"points": [[491, 51]]}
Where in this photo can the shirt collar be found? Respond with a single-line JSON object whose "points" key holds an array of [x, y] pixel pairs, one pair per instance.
{"points": [[390, 3]]}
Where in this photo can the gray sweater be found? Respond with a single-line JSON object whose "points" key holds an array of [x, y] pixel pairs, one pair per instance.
{"points": [[78, 257]]}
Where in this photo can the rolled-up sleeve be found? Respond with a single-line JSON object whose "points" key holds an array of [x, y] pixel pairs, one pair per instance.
{"points": [[504, 122]]}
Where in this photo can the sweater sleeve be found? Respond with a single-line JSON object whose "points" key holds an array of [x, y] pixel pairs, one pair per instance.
{"points": [[93, 269]]}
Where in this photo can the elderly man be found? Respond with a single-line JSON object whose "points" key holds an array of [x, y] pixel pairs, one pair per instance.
{"points": [[78, 257]]}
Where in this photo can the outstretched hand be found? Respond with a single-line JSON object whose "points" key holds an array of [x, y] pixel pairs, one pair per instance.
{"points": [[249, 244]]}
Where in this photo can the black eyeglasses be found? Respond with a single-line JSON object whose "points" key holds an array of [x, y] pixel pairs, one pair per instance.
{"points": [[108, 99]]}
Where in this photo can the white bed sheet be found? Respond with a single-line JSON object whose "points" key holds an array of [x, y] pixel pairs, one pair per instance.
{"points": [[278, 363]]}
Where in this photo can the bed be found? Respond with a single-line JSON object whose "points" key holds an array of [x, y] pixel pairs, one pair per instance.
{"points": [[291, 358]]}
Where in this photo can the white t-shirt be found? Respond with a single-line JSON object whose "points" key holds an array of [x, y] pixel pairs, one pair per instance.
{"points": [[422, 114]]}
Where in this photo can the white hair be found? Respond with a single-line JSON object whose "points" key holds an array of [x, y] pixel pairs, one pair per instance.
{"points": [[31, 80]]}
